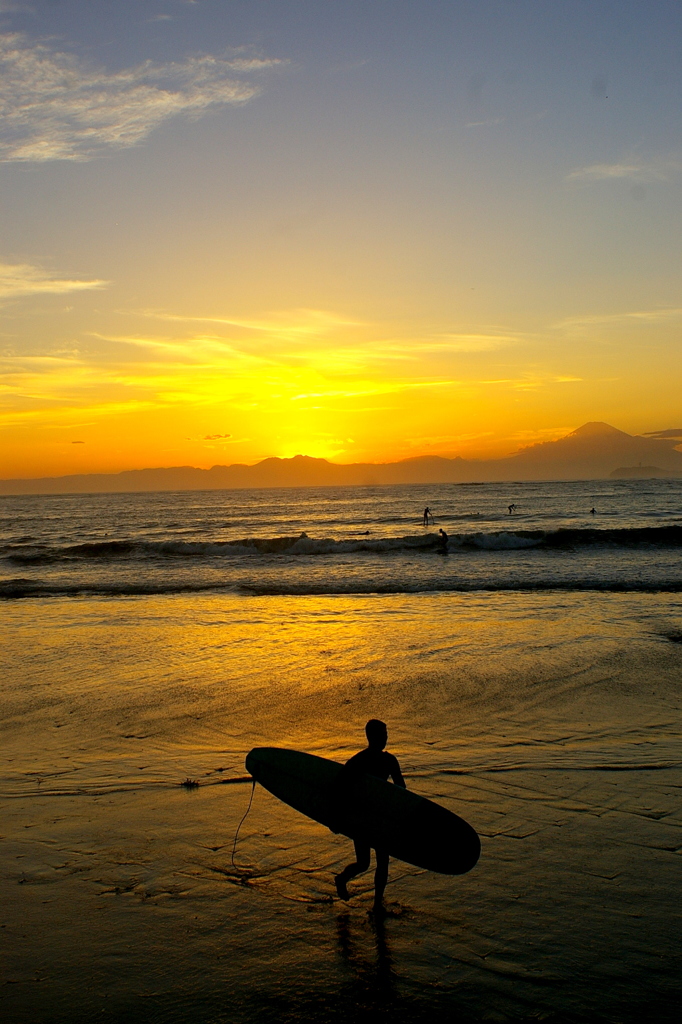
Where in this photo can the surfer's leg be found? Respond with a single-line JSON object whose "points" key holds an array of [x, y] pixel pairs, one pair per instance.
{"points": [[362, 853], [380, 878]]}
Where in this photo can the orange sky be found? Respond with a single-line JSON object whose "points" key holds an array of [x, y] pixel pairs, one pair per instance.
{"points": [[332, 244]]}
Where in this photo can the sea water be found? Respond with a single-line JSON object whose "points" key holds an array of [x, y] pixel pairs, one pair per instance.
{"points": [[530, 679], [346, 540]]}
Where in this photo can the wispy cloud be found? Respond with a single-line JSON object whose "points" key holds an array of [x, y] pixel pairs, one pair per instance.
{"points": [[650, 316], [634, 170], [532, 437], [475, 342], [674, 433], [302, 324], [55, 107], [489, 123], [295, 322], [532, 382], [21, 279]]}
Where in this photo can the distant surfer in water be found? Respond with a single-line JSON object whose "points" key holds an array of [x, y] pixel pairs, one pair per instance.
{"points": [[373, 760], [443, 541], [427, 513]]}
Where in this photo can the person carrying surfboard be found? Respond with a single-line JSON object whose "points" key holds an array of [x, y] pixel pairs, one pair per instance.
{"points": [[373, 760]]}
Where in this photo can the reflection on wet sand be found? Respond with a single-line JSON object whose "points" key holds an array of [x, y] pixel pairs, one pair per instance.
{"points": [[372, 971], [553, 726]]}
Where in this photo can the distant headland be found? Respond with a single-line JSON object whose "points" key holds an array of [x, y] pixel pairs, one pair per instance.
{"points": [[592, 452], [642, 473]]}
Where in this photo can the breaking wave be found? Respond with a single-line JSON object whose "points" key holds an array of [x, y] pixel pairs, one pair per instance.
{"points": [[504, 540], [14, 589]]}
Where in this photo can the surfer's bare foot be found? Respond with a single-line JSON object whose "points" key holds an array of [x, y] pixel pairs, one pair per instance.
{"points": [[341, 887], [379, 911]]}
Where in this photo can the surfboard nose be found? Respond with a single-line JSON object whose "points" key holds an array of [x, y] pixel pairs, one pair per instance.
{"points": [[257, 759]]}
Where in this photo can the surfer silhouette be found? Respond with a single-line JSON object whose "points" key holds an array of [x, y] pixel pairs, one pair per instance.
{"points": [[373, 760], [427, 513], [443, 543]]}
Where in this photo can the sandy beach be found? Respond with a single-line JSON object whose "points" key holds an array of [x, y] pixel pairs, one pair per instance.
{"points": [[553, 726]]}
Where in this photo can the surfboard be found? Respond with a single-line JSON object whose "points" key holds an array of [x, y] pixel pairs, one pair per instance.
{"points": [[410, 827]]}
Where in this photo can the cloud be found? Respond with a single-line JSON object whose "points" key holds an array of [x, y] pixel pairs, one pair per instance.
{"points": [[651, 316], [661, 435], [297, 326], [636, 171], [55, 107], [301, 360], [475, 342], [532, 382], [491, 122], [288, 323], [20, 279], [533, 437]]}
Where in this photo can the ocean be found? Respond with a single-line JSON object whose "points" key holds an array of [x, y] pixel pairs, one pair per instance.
{"points": [[346, 540], [530, 676]]}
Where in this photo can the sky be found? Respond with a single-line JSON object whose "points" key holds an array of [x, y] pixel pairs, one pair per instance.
{"points": [[363, 231]]}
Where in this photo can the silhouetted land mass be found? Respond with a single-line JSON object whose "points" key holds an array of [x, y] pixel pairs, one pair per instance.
{"points": [[642, 473], [593, 451]]}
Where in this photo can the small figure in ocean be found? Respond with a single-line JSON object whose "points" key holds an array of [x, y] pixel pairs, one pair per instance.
{"points": [[593, 511], [427, 513], [511, 508], [373, 760], [443, 540]]}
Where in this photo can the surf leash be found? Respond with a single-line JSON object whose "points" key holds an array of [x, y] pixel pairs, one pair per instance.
{"points": [[236, 835]]}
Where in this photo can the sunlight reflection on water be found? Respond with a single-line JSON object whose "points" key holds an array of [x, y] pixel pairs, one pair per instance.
{"points": [[550, 722]]}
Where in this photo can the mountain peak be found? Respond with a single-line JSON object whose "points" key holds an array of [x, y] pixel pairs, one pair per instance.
{"points": [[294, 460], [595, 428]]}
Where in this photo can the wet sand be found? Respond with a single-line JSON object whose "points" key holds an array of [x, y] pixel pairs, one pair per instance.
{"points": [[553, 728]]}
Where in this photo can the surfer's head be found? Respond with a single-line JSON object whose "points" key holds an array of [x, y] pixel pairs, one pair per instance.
{"points": [[377, 733]]}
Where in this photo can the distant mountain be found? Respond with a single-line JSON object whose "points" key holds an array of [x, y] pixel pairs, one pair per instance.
{"points": [[591, 452], [642, 473]]}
